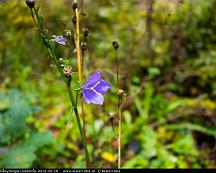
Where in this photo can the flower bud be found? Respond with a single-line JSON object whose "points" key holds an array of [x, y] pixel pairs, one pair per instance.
{"points": [[83, 45], [115, 44], [30, 3], [67, 71]]}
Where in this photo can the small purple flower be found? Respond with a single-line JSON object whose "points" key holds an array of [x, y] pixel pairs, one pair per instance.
{"points": [[59, 39], [94, 89]]}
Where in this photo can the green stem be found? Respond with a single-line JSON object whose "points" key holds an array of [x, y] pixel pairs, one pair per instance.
{"points": [[37, 16], [88, 163], [82, 103], [51, 53], [73, 103]]}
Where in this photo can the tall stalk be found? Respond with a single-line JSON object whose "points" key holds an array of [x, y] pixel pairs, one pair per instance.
{"points": [[82, 101], [44, 36], [77, 40], [79, 59], [118, 112], [116, 46]]}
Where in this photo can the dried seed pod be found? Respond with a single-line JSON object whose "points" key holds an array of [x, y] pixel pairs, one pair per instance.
{"points": [[83, 45], [74, 6], [85, 32], [120, 92], [115, 44], [116, 157], [30, 3]]}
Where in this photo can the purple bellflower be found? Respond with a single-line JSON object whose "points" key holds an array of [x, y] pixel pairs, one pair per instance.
{"points": [[59, 39], [94, 89]]}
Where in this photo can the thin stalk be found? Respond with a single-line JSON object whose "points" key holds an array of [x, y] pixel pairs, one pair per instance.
{"points": [[68, 84], [119, 133], [69, 47], [82, 103], [77, 95], [83, 117], [82, 63], [117, 69], [39, 24], [79, 62], [77, 41], [118, 112]]}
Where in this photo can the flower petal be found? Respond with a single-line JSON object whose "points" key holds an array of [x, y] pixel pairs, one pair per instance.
{"points": [[102, 87], [93, 79], [59, 39], [91, 96], [61, 42]]}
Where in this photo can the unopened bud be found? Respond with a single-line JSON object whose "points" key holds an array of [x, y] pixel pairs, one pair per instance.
{"points": [[115, 44], [83, 45], [30, 3], [67, 71]]}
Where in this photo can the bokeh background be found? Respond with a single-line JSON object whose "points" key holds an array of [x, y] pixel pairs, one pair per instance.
{"points": [[167, 65]]}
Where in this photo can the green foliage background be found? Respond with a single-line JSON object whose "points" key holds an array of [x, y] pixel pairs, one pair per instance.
{"points": [[169, 116]]}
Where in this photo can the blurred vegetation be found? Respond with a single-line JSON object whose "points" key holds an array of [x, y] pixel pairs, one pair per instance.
{"points": [[167, 64]]}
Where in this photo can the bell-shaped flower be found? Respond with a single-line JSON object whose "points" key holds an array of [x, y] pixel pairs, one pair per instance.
{"points": [[94, 89]]}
